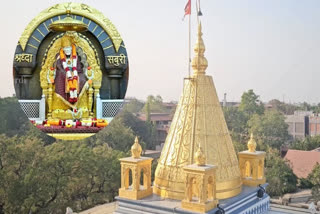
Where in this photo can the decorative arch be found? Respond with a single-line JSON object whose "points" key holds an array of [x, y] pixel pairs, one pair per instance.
{"points": [[112, 54], [260, 169], [191, 188], [127, 178], [248, 169], [98, 24]]}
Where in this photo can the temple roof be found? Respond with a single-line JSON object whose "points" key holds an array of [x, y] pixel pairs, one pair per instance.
{"points": [[302, 162], [198, 121]]}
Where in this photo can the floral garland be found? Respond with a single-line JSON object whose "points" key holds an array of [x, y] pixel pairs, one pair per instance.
{"points": [[72, 77]]}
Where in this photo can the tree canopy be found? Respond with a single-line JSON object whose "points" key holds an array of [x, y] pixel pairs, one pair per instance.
{"points": [[314, 178], [279, 175], [307, 144], [155, 104], [250, 104], [41, 175], [270, 128], [45, 179]]}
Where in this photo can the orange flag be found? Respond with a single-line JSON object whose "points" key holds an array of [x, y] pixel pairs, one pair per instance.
{"points": [[187, 8]]}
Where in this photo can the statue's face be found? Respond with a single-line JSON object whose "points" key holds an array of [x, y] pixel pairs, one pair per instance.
{"points": [[67, 50]]}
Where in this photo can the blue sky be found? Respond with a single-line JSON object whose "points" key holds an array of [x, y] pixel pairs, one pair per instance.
{"points": [[270, 46]]}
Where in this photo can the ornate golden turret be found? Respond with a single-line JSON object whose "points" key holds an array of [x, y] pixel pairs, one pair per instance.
{"points": [[140, 167], [251, 163], [198, 122], [252, 145], [136, 149]]}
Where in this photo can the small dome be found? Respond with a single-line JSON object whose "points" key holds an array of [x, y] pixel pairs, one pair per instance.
{"points": [[200, 158], [136, 149], [252, 145]]}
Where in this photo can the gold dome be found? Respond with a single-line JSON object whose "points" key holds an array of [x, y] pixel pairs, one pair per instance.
{"points": [[68, 24], [252, 145], [136, 149], [200, 157]]}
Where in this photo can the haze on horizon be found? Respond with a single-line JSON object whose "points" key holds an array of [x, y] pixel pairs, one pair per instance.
{"points": [[270, 46]]}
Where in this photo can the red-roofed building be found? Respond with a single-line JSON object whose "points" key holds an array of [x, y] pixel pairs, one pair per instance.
{"points": [[302, 162]]}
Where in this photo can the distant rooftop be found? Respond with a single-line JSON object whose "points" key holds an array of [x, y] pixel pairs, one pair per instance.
{"points": [[302, 162], [156, 117], [303, 113]]}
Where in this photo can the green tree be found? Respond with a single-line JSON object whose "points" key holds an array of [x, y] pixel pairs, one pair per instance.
{"points": [[46, 179], [307, 144], [155, 104], [148, 112], [236, 120], [116, 135], [143, 129], [305, 106], [237, 124], [284, 108], [270, 128], [238, 146], [314, 178], [13, 120], [134, 106], [279, 175], [250, 104], [316, 108]]}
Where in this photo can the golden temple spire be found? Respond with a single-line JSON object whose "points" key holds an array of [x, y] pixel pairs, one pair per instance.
{"points": [[198, 123], [136, 148], [199, 62], [252, 145]]}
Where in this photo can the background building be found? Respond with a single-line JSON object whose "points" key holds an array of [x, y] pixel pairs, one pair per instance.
{"points": [[299, 124], [314, 125], [162, 121]]}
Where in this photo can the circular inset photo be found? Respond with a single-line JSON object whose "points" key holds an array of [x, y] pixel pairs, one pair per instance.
{"points": [[70, 71]]}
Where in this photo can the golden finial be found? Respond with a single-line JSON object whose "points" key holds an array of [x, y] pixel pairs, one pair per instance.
{"points": [[200, 158], [68, 11], [252, 144], [136, 149], [199, 62]]}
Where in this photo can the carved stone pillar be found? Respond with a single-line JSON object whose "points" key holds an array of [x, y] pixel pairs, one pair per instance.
{"points": [[115, 76]]}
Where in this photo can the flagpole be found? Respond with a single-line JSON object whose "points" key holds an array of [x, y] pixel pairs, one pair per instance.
{"points": [[189, 43]]}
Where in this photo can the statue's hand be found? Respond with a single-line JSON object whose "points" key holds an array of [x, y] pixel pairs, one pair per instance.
{"points": [[89, 74], [51, 80]]}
